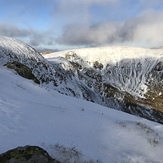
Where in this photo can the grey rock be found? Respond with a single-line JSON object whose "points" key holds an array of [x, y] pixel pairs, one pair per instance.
{"points": [[27, 154]]}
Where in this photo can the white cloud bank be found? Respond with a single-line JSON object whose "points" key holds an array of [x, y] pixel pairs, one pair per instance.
{"points": [[145, 30]]}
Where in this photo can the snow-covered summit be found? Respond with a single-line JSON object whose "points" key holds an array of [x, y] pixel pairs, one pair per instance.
{"points": [[10, 47], [112, 54]]}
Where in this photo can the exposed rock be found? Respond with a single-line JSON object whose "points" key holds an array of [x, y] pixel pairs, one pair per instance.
{"points": [[27, 154], [97, 65], [22, 70]]}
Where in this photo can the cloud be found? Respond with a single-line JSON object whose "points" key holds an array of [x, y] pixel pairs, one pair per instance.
{"points": [[12, 31], [145, 30], [80, 22], [30, 36], [89, 35], [41, 38]]}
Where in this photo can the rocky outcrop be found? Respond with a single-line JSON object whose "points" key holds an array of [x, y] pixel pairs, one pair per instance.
{"points": [[27, 154], [22, 70]]}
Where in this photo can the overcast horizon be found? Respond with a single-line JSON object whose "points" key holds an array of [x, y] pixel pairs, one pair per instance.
{"points": [[66, 24]]}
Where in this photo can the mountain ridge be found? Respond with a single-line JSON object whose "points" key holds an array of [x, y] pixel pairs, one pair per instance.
{"points": [[73, 75]]}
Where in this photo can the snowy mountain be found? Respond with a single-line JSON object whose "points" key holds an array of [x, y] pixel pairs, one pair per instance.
{"points": [[127, 79], [124, 78], [71, 129], [124, 67]]}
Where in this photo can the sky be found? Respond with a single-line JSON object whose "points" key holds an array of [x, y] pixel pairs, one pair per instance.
{"points": [[68, 24]]}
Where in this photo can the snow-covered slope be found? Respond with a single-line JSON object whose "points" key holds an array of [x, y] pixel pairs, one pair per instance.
{"points": [[71, 129]]}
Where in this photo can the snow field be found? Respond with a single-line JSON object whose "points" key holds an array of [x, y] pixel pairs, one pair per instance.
{"points": [[31, 115]]}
